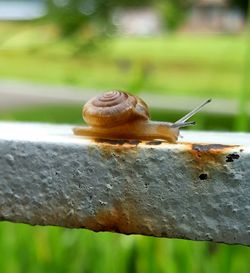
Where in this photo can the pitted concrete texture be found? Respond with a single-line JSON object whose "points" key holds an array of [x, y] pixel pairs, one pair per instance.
{"points": [[198, 189]]}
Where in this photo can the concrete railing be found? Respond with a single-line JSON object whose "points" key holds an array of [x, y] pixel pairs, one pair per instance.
{"points": [[198, 189]]}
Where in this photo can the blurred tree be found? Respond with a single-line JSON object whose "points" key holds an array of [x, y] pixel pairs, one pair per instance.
{"points": [[71, 15], [173, 12], [89, 18]]}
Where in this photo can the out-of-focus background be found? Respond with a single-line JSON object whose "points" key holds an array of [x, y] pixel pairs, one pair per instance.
{"points": [[56, 54]]}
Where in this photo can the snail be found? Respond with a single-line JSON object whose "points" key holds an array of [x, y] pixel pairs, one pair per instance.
{"points": [[120, 115]]}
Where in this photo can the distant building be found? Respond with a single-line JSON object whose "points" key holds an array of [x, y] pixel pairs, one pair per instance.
{"points": [[140, 21], [14, 10], [214, 16]]}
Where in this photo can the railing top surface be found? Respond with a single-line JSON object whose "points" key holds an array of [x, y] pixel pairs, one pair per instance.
{"points": [[44, 132]]}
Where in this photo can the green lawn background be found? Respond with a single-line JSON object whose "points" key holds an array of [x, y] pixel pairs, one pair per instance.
{"points": [[176, 64]]}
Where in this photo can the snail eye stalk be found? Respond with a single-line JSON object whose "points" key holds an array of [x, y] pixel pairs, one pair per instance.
{"points": [[182, 122]]}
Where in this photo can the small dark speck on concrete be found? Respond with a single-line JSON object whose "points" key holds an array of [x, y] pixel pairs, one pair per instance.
{"points": [[232, 157], [203, 176], [154, 142]]}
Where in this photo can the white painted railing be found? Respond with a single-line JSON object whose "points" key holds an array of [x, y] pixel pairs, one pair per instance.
{"points": [[197, 189]]}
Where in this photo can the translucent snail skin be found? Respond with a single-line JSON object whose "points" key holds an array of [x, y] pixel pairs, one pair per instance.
{"points": [[120, 115]]}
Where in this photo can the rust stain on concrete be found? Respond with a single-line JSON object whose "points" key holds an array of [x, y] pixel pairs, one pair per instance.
{"points": [[210, 156], [122, 217], [119, 147], [209, 153]]}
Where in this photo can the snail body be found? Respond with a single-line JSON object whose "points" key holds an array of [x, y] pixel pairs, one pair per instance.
{"points": [[119, 115]]}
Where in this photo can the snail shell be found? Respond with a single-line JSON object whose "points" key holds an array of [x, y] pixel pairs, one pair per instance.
{"points": [[114, 108]]}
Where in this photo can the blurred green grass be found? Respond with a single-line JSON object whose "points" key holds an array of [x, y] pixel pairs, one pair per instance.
{"points": [[27, 249], [178, 65]]}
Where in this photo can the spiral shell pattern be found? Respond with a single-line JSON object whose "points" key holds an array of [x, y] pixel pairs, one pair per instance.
{"points": [[114, 108]]}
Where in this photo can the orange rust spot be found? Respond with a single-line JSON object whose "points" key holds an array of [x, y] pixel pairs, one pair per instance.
{"points": [[211, 151], [131, 142], [208, 156], [121, 217], [109, 147], [211, 147], [128, 217]]}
